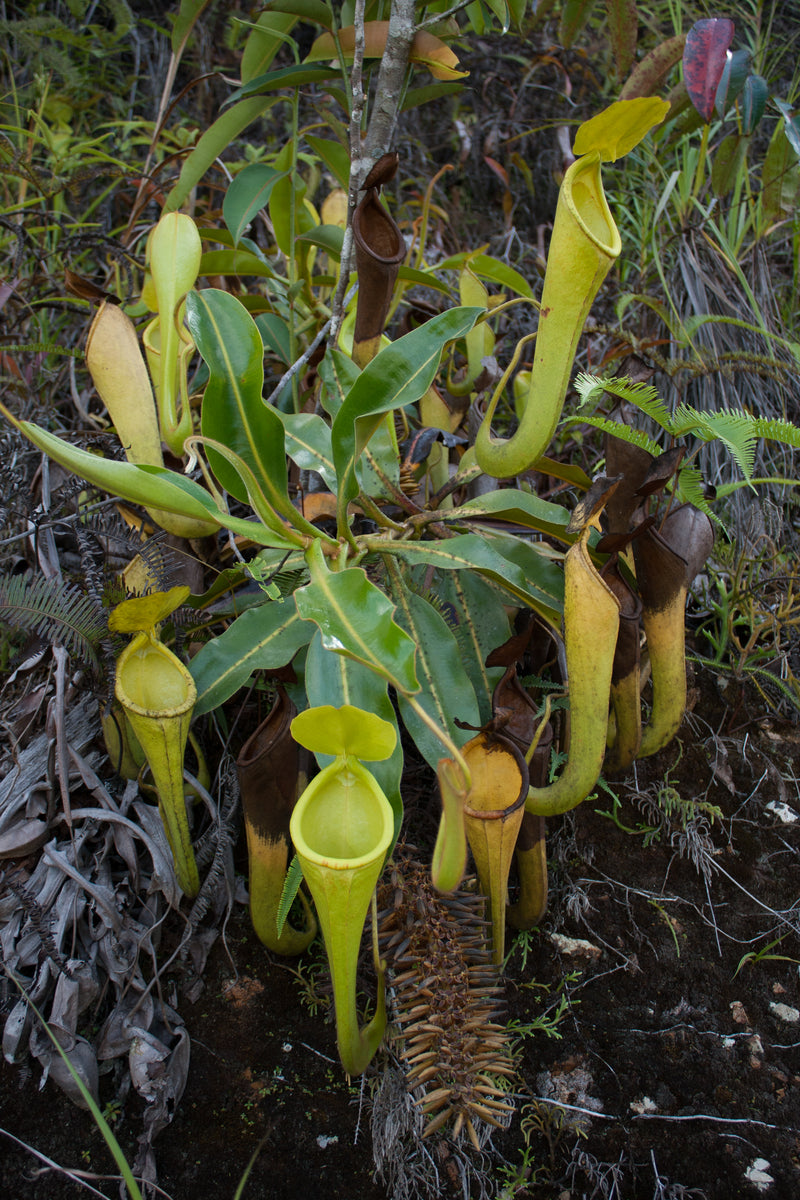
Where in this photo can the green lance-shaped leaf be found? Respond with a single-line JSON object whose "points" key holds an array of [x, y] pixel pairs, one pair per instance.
{"points": [[273, 81], [188, 15], [149, 486], [308, 443], [234, 412], [335, 680], [447, 692], [338, 373], [481, 624], [342, 827], [155, 488], [356, 618], [520, 569], [260, 639], [591, 622], [754, 100], [732, 80], [248, 192], [158, 696], [267, 34], [213, 142], [398, 376], [515, 507]]}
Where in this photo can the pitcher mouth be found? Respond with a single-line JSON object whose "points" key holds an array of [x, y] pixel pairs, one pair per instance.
{"points": [[586, 200], [376, 232], [173, 689], [324, 845]]}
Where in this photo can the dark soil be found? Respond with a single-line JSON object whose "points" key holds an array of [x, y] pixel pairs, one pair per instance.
{"points": [[675, 1072]]}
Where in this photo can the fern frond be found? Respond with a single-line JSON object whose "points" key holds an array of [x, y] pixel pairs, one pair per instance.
{"points": [[735, 428], [736, 431], [642, 395], [626, 433], [291, 886], [56, 612], [777, 431], [690, 487], [685, 420]]}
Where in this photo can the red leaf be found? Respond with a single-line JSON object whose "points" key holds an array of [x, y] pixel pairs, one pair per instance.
{"points": [[498, 169], [704, 58]]}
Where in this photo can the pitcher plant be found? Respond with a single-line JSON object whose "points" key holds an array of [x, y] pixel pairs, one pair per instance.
{"points": [[342, 828], [584, 246], [157, 695], [270, 780], [493, 815]]}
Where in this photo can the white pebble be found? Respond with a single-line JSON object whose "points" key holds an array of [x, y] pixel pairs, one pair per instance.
{"points": [[785, 1012], [758, 1175]]}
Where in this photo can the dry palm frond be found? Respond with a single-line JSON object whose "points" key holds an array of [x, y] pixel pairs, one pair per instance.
{"points": [[457, 1056]]}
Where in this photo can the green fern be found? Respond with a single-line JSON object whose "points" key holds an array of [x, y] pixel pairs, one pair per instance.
{"points": [[591, 389], [736, 429], [690, 486], [56, 612], [625, 433], [777, 431]]}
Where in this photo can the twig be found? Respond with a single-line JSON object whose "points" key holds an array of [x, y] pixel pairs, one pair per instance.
{"points": [[588, 1112], [382, 121], [77, 1176], [357, 172], [439, 18], [318, 1053], [779, 916], [716, 1120], [306, 355]]}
